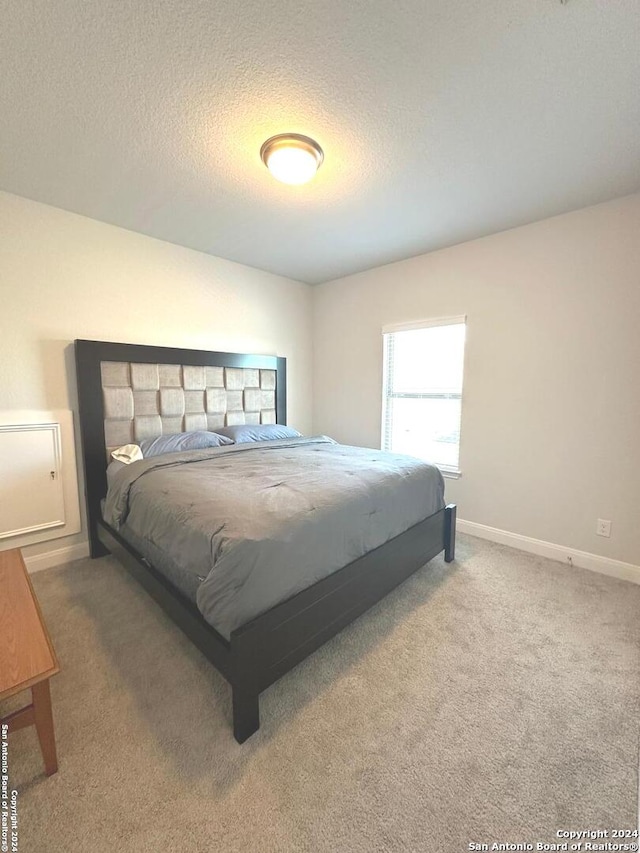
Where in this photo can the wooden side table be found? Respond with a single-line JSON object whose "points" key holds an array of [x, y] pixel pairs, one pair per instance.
{"points": [[27, 656]]}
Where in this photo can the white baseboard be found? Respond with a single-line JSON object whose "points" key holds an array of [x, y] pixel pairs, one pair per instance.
{"points": [[569, 556], [56, 557]]}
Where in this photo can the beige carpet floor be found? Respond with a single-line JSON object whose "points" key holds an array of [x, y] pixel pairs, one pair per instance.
{"points": [[495, 699]]}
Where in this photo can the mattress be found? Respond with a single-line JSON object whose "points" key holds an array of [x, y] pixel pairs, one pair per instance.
{"points": [[240, 529]]}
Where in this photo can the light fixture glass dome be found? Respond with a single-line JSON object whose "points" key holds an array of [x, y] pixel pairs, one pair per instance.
{"points": [[291, 157]]}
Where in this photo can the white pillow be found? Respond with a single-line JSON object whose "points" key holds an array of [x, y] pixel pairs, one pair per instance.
{"points": [[127, 453]]}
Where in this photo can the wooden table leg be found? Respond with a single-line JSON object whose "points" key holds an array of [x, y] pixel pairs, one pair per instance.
{"points": [[44, 725], [19, 719]]}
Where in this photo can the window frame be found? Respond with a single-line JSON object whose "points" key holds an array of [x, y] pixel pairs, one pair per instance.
{"points": [[450, 471]]}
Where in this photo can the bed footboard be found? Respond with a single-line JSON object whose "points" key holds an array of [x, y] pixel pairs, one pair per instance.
{"points": [[271, 644]]}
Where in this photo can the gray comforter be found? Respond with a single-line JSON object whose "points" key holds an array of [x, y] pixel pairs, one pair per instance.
{"points": [[258, 522]]}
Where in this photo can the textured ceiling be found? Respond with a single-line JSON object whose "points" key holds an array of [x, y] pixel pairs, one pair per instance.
{"points": [[441, 120]]}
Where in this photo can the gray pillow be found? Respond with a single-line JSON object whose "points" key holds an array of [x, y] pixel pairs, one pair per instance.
{"points": [[182, 441], [242, 433]]}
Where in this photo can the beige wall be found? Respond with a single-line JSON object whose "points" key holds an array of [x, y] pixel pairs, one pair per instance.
{"points": [[63, 277], [551, 413], [551, 405]]}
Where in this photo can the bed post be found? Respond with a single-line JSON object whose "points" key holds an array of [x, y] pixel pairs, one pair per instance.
{"points": [[246, 712], [449, 533], [94, 451], [245, 682]]}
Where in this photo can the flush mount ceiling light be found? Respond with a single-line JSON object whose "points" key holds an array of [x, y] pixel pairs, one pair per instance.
{"points": [[291, 157]]}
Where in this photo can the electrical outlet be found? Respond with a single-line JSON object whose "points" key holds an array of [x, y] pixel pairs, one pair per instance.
{"points": [[603, 527]]}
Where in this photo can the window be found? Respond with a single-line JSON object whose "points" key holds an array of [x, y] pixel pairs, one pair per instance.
{"points": [[422, 390]]}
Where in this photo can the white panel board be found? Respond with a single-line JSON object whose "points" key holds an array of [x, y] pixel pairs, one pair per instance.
{"points": [[31, 490]]}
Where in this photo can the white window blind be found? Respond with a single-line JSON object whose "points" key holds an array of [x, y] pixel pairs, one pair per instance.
{"points": [[422, 390]]}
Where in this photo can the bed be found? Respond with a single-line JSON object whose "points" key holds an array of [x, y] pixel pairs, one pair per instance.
{"points": [[328, 530]]}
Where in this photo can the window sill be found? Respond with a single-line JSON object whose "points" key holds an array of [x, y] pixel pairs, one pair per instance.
{"points": [[449, 473]]}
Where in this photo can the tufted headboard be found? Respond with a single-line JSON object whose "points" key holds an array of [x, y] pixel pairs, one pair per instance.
{"points": [[127, 392], [147, 400]]}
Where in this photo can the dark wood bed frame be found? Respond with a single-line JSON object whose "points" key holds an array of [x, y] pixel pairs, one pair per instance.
{"points": [[262, 650]]}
